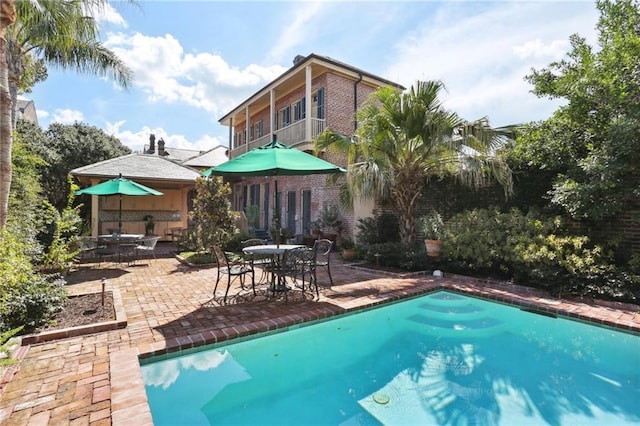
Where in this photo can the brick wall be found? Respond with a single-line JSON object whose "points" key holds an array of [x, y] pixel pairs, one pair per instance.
{"points": [[340, 116]]}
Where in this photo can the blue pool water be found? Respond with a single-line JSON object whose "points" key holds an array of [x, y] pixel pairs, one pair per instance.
{"points": [[441, 359]]}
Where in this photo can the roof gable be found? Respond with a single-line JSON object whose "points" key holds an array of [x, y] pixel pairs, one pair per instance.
{"points": [[211, 158], [139, 166]]}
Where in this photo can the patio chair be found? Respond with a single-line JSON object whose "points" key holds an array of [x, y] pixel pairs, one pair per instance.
{"points": [[300, 261], [146, 246], [293, 263], [322, 257], [263, 261], [88, 248], [231, 269]]}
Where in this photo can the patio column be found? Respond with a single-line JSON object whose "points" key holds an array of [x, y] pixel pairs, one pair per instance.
{"points": [[308, 136], [95, 215], [272, 108], [246, 129]]}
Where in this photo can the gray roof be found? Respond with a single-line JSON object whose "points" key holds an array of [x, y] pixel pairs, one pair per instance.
{"points": [[211, 158], [140, 166], [174, 154]]}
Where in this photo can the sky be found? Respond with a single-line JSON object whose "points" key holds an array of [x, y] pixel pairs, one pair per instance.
{"points": [[194, 61]]}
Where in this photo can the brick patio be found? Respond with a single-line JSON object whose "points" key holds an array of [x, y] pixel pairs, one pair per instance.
{"points": [[95, 379]]}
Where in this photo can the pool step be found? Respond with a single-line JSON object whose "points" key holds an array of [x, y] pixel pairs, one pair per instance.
{"points": [[447, 299], [466, 311], [485, 326]]}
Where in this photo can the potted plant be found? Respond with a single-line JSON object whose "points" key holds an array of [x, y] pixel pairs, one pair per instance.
{"points": [[432, 227], [149, 224], [315, 227], [348, 249], [330, 219], [280, 235]]}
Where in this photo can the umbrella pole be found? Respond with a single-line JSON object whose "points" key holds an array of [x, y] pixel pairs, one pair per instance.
{"points": [[278, 227], [120, 217]]}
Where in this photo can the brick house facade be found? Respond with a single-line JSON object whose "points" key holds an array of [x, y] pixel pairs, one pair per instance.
{"points": [[317, 92]]}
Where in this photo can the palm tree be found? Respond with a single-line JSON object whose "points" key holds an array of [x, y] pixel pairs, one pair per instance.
{"points": [[7, 18], [403, 139], [54, 32]]}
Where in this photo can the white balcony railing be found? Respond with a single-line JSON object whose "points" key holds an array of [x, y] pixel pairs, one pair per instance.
{"points": [[293, 134]]}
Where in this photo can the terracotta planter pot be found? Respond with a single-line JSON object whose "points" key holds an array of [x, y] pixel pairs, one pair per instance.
{"points": [[349, 254], [433, 247]]}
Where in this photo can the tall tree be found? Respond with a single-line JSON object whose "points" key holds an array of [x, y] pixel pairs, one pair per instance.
{"points": [[593, 142], [54, 32], [7, 18], [212, 214], [405, 138], [71, 146]]}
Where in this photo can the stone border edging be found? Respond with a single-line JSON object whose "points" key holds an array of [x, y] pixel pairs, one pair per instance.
{"points": [[119, 322]]}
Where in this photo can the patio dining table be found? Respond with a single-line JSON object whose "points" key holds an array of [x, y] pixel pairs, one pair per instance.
{"points": [[119, 244], [276, 251]]}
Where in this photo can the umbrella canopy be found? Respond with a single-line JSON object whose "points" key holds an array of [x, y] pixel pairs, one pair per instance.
{"points": [[274, 159], [119, 186]]}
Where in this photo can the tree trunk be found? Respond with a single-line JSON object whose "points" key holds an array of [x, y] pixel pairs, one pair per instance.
{"points": [[405, 193], [15, 68], [7, 18]]}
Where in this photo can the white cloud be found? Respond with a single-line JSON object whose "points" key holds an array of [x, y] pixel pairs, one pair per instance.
{"points": [[104, 13], [137, 139], [205, 81], [536, 49], [482, 56], [296, 30], [65, 116]]}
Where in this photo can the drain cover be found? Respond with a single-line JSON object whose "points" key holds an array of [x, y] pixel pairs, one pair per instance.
{"points": [[381, 398]]}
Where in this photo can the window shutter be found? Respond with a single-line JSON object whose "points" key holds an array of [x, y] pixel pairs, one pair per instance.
{"points": [[321, 103]]}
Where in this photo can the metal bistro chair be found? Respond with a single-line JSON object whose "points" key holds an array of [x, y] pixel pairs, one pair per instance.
{"points": [[147, 246], [263, 261], [88, 248], [301, 261], [231, 269], [322, 257]]}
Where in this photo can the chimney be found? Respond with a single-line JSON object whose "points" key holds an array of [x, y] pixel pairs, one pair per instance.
{"points": [[161, 147], [152, 143]]}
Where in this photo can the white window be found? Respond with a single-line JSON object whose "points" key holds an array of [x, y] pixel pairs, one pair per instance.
{"points": [[285, 117], [299, 109]]}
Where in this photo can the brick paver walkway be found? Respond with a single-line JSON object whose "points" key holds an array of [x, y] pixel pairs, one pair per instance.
{"points": [[95, 379]]}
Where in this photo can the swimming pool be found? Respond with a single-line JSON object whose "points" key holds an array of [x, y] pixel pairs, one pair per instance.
{"points": [[443, 358]]}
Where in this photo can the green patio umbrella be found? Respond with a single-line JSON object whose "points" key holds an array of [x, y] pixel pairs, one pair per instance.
{"points": [[273, 159], [118, 186]]}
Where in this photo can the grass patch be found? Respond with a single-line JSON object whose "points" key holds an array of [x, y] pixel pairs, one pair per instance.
{"points": [[197, 257]]}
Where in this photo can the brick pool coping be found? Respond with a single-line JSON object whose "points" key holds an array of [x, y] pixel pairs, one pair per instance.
{"points": [[602, 315], [97, 378]]}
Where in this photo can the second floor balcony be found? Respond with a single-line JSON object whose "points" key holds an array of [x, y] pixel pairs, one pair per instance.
{"points": [[292, 135]]}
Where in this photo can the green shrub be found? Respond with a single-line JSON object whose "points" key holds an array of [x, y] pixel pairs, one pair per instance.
{"points": [[534, 250], [407, 257], [381, 228], [6, 346], [26, 298], [234, 244]]}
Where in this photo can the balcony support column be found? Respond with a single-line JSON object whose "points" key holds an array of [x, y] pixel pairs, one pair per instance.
{"points": [[308, 136], [272, 111], [246, 128]]}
